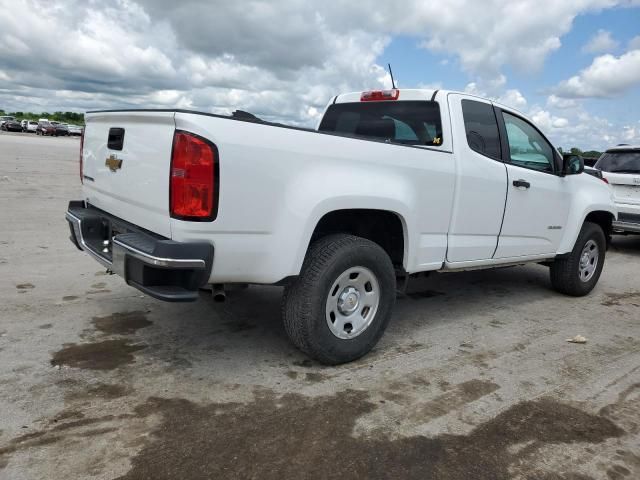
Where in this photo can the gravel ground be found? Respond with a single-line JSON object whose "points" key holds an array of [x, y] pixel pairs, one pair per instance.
{"points": [[474, 378]]}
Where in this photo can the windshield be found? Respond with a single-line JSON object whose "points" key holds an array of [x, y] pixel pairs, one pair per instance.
{"points": [[407, 122], [620, 162]]}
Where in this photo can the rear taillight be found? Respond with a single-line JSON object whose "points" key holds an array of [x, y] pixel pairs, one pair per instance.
{"points": [[193, 191], [81, 148], [378, 95]]}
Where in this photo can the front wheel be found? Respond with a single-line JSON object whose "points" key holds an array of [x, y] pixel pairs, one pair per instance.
{"points": [[578, 272], [339, 306]]}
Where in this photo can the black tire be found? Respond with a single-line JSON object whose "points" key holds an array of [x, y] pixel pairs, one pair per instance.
{"points": [[305, 301], [566, 275]]}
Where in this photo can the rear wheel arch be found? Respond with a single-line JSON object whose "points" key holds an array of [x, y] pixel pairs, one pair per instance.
{"points": [[386, 228]]}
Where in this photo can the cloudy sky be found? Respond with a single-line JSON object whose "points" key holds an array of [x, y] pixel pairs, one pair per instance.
{"points": [[572, 65]]}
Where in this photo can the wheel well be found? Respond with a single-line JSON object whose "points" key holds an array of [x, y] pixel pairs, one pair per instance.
{"points": [[604, 219], [380, 226]]}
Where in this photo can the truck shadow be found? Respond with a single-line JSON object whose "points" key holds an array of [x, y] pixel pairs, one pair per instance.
{"points": [[629, 244], [246, 330]]}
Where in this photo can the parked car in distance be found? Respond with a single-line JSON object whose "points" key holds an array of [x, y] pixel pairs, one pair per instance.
{"points": [[620, 166], [31, 126], [12, 126], [45, 128], [392, 183], [4, 120], [61, 130], [74, 129]]}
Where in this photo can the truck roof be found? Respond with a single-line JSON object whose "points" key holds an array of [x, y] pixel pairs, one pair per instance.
{"points": [[419, 94], [405, 94]]}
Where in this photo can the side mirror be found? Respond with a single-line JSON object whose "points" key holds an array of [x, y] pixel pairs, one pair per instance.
{"points": [[572, 164]]}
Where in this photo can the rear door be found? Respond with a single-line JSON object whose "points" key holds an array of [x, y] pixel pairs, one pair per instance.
{"points": [[538, 198], [126, 163]]}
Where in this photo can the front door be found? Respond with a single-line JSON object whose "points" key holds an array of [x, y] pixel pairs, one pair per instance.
{"points": [[538, 198]]}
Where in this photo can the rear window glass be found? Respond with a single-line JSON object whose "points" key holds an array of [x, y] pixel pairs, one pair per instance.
{"points": [[619, 162], [481, 127], [405, 122]]}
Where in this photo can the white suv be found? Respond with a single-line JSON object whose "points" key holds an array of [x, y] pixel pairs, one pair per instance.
{"points": [[620, 166]]}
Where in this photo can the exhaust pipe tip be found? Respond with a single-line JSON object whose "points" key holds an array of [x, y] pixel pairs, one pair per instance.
{"points": [[218, 293]]}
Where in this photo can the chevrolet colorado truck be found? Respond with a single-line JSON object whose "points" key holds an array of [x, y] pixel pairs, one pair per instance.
{"points": [[391, 183]]}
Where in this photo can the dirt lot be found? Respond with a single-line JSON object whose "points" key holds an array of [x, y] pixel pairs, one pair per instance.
{"points": [[473, 379]]}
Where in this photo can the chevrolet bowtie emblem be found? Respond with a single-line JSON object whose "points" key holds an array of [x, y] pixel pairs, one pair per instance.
{"points": [[114, 163]]}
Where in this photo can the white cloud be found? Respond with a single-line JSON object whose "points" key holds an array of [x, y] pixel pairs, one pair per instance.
{"points": [[584, 130], [601, 42], [511, 98], [281, 60], [634, 43], [607, 76], [554, 101], [547, 121], [520, 35]]}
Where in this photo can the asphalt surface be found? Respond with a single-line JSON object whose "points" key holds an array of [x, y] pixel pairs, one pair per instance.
{"points": [[474, 378]]}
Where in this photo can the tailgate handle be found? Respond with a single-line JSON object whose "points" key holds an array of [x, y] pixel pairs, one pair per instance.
{"points": [[116, 138]]}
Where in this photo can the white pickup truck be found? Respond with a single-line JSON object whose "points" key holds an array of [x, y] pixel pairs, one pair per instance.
{"points": [[390, 184]]}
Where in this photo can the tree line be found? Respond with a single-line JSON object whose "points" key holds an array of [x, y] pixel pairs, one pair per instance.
{"points": [[63, 117], [586, 154]]}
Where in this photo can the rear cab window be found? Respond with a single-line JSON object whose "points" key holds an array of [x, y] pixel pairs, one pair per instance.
{"points": [[406, 122]]}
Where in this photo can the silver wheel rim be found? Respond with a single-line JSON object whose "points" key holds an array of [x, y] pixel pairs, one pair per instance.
{"points": [[589, 261], [352, 302]]}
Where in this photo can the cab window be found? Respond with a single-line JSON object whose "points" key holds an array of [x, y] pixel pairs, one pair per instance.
{"points": [[481, 128], [527, 147]]}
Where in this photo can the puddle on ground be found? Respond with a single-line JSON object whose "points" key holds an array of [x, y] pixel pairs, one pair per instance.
{"points": [[106, 355], [294, 436], [617, 299], [122, 323], [291, 436], [457, 397]]}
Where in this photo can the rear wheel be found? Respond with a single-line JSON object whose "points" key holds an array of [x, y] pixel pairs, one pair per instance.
{"points": [[577, 273], [340, 305]]}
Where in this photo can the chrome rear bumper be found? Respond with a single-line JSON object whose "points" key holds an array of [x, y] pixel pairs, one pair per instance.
{"points": [[162, 268]]}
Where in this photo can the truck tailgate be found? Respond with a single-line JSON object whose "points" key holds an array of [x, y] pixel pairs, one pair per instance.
{"points": [[126, 163]]}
